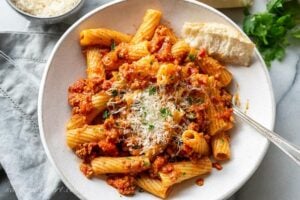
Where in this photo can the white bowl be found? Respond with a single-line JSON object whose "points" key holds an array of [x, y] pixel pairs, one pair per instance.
{"points": [[66, 65], [47, 20]]}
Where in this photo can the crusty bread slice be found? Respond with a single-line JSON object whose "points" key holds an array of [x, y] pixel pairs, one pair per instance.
{"points": [[220, 41]]}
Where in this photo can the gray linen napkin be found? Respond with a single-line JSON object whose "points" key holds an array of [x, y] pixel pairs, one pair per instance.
{"points": [[22, 60]]}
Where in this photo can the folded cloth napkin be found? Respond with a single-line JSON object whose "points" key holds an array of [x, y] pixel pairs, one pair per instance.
{"points": [[22, 60]]}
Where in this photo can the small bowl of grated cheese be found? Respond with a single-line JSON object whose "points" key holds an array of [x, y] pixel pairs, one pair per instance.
{"points": [[46, 11]]}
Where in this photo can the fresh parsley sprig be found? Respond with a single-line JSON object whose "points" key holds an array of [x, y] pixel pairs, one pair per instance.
{"points": [[270, 30], [165, 112]]}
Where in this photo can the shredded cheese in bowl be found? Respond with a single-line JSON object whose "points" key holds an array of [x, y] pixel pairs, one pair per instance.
{"points": [[46, 8]]}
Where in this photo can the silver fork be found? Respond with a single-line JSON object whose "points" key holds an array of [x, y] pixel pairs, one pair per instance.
{"points": [[288, 148]]}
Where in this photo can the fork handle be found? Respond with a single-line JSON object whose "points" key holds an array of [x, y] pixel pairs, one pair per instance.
{"points": [[288, 148]]}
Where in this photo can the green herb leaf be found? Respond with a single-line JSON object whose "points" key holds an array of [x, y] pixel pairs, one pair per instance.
{"points": [[105, 114], [275, 6], [194, 100], [151, 127], [191, 115], [269, 29], [114, 93], [165, 112], [192, 57], [136, 146], [113, 45], [296, 33], [146, 164], [152, 90], [190, 100]]}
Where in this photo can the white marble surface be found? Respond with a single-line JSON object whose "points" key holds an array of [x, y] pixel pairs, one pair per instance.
{"points": [[278, 178], [10, 20]]}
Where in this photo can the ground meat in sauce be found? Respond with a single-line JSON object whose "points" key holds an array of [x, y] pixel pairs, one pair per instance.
{"points": [[227, 114], [108, 148], [207, 138], [80, 94], [164, 53], [81, 103], [167, 168], [137, 77], [158, 38], [217, 165], [87, 151], [125, 184], [193, 126], [200, 181], [93, 86], [86, 169], [157, 164], [186, 151]]}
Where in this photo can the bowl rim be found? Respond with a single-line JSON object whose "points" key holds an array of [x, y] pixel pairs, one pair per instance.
{"points": [[98, 9], [63, 15]]}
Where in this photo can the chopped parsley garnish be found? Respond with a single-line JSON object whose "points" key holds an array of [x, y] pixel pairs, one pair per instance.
{"points": [[165, 112], [152, 90], [113, 45], [183, 173], [271, 29], [114, 93], [191, 115], [199, 100], [105, 114], [222, 141], [189, 99], [136, 146], [193, 100], [140, 190], [192, 57], [146, 164], [151, 127]]}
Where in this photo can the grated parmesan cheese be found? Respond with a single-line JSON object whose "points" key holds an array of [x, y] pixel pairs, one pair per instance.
{"points": [[45, 8], [149, 117]]}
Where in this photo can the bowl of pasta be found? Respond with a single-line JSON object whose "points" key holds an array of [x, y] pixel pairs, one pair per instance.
{"points": [[136, 102]]}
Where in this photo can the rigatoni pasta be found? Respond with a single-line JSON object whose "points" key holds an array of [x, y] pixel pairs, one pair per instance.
{"points": [[86, 134], [132, 164], [180, 49], [186, 170], [154, 186], [195, 141], [211, 66], [221, 147], [103, 37], [152, 112], [146, 30], [95, 68]]}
